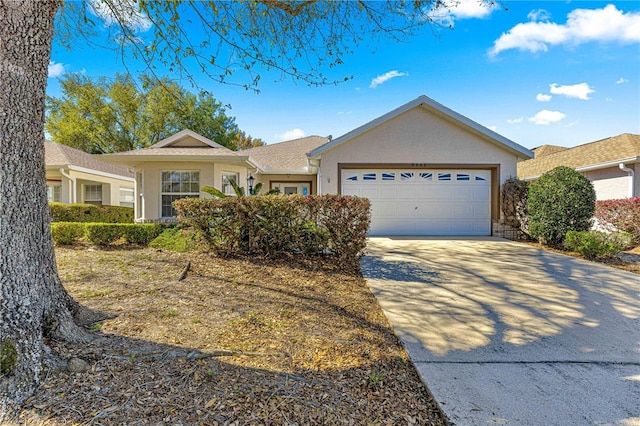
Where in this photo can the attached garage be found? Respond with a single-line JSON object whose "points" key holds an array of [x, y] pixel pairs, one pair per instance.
{"points": [[426, 169], [423, 201]]}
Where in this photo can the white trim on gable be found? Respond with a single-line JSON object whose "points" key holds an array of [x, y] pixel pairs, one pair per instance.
{"points": [[435, 107], [184, 134]]}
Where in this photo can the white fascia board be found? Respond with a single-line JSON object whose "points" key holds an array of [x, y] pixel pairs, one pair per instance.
{"points": [[287, 172], [99, 173], [608, 164]]}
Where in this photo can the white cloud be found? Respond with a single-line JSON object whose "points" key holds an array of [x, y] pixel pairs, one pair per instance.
{"points": [[55, 69], [121, 12], [622, 80], [291, 134], [582, 26], [493, 128], [539, 15], [540, 97], [450, 10], [515, 120], [578, 91], [386, 77], [544, 117]]}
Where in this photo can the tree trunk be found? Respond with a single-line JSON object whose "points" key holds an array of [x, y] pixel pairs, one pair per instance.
{"points": [[33, 302]]}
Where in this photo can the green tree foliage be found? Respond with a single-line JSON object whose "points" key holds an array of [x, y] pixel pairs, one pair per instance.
{"points": [[103, 116], [235, 42], [560, 201], [244, 141]]}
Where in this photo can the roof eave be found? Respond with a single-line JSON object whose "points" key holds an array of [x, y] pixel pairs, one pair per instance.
{"points": [[287, 172], [590, 167]]}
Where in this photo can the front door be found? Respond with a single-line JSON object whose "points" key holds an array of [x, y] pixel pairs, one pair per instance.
{"points": [[288, 188]]}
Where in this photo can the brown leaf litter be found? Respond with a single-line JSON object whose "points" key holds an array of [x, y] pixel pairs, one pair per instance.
{"points": [[237, 342]]}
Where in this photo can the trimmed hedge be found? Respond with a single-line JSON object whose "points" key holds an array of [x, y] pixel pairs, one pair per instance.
{"points": [[67, 233], [104, 234], [275, 224], [620, 215], [61, 212]]}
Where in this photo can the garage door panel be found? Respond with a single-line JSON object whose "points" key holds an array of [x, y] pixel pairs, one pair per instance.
{"points": [[371, 193], [387, 210], [424, 202], [406, 192], [385, 192], [351, 191]]}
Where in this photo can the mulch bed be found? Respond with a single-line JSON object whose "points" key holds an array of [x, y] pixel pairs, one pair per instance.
{"points": [[237, 342]]}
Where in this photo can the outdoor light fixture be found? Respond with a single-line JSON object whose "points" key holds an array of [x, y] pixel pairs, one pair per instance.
{"points": [[250, 181]]}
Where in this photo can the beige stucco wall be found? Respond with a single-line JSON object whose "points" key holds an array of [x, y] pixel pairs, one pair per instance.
{"points": [[415, 137], [612, 183], [148, 190], [110, 185]]}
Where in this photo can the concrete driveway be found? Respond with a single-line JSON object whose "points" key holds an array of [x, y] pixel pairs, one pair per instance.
{"points": [[505, 333]]}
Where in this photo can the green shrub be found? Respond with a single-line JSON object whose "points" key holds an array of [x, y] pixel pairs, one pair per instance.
{"points": [[175, 240], [61, 212], [595, 244], [267, 225], [104, 234], [67, 233], [140, 233], [560, 201]]}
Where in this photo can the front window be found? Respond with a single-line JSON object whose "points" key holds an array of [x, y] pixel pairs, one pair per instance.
{"points": [[93, 194], [177, 184], [226, 185], [54, 193], [126, 197]]}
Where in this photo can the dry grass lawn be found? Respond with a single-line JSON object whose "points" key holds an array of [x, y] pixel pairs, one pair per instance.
{"points": [[238, 342]]}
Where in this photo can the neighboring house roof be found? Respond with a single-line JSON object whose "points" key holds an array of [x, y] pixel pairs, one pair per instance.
{"points": [[547, 149], [62, 156], [285, 157], [185, 145], [624, 148], [439, 110]]}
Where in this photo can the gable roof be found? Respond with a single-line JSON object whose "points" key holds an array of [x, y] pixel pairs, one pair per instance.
{"points": [[285, 157], [58, 156], [599, 154], [187, 138], [437, 109], [183, 146]]}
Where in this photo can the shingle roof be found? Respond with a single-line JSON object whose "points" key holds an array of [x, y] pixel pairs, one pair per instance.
{"points": [[621, 147], [59, 155], [285, 156], [543, 150]]}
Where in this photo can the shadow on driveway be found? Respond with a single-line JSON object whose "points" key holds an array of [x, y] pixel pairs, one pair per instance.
{"points": [[464, 303]]}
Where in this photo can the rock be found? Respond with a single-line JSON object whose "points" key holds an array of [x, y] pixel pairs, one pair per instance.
{"points": [[77, 365]]}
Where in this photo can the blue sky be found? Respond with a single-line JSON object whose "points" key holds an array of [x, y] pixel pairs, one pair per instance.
{"points": [[540, 72]]}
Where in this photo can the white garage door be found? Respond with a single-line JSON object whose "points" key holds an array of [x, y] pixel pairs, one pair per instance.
{"points": [[424, 202]]}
